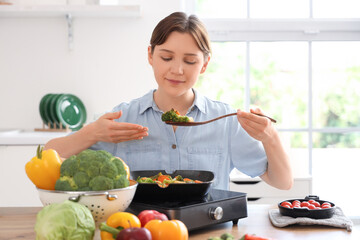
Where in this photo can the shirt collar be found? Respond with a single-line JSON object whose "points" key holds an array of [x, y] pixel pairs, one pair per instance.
{"points": [[148, 102], [199, 102]]}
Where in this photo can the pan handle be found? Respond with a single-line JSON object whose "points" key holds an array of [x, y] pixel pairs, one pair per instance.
{"points": [[109, 196], [314, 197]]}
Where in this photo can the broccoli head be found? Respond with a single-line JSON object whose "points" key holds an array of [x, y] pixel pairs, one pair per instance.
{"points": [[99, 183], [66, 183], [92, 170], [174, 116], [122, 182]]}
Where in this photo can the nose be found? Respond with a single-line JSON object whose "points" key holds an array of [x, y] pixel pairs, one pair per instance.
{"points": [[177, 68]]}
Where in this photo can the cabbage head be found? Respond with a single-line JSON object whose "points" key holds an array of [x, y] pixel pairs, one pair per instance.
{"points": [[67, 220]]}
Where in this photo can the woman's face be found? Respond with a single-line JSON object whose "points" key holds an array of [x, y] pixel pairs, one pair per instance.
{"points": [[177, 63]]}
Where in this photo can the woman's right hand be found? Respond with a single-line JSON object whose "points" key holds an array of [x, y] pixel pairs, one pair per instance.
{"points": [[107, 130]]}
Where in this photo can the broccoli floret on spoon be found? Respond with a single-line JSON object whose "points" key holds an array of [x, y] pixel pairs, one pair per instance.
{"points": [[174, 116]]}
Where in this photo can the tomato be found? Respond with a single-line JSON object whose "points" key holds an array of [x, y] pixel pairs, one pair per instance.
{"points": [[325, 204], [316, 204], [147, 215], [304, 204], [296, 206], [311, 206], [286, 204], [167, 230]]}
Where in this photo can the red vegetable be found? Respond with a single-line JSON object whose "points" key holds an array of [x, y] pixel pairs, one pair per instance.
{"points": [[252, 237], [310, 204], [146, 215], [286, 204], [163, 177]]}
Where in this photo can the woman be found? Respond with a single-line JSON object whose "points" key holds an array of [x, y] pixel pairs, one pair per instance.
{"points": [[179, 52]]}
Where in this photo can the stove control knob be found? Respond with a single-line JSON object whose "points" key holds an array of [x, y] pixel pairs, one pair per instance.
{"points": [[216, 213]]}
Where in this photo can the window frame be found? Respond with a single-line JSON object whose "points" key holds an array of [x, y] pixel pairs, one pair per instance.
{"points": [[267, 30]]}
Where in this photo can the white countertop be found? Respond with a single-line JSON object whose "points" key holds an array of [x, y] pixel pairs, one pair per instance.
{"points": [[27, 137]]}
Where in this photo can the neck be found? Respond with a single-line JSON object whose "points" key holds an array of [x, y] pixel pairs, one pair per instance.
{"points": [[181, 102]]}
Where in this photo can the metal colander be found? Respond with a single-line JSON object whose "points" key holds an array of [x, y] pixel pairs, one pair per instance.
{"points": [[101, 203]]}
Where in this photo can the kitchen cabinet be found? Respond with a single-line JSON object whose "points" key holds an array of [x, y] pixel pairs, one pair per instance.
{"points": [[16, 149], [16, 189]]}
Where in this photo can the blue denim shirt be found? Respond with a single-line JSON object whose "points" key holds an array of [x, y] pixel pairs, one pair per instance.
{"points": [[218, 146]]}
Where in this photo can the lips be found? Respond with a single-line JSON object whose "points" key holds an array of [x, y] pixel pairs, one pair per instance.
{"points": [[174, 81]]}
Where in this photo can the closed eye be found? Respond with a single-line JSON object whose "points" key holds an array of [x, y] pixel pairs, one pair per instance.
{"points": [[166, 59]]}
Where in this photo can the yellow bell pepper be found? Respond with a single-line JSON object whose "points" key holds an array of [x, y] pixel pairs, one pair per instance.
{"points": [[118, 221], [126, 167], [44, 169]]}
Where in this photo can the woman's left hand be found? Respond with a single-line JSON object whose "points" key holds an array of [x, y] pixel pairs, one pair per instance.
{"points": [[256, 126]]}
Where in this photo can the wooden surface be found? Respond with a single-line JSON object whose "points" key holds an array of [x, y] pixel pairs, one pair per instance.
{"points": [[18, 223]]}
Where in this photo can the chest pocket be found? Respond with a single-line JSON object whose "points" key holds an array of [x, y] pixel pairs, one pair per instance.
{"points": [[208, 159], [143, 156]]}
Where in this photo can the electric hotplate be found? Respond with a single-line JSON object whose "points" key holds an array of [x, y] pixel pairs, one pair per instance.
{"points": [[217, 206]]}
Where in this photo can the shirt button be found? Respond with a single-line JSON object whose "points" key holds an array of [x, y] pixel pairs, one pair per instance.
{"points": [[173, 146]]}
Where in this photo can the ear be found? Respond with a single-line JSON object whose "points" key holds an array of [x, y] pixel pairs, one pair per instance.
{"points": [[150, 57], [205, 65]]}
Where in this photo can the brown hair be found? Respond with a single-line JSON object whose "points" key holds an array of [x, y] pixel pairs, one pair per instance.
{"points": [[180, 22]]}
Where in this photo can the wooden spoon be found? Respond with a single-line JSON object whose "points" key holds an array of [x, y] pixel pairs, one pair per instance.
{"points": [[188, 124]]}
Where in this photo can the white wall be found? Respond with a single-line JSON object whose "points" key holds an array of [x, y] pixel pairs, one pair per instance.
{"points": [[108, 64]]}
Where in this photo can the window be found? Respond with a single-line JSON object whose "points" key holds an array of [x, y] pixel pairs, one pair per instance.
{"points": [[300, 62]]}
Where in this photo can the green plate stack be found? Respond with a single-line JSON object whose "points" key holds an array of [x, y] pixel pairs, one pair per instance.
{"points": [[61, 111]]}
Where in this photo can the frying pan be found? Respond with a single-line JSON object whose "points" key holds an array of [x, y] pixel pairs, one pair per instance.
{"points": [[175, 191], [304, 212]]}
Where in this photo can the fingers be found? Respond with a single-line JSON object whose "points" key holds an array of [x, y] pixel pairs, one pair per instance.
{"points": [[123, 138], [112, 115], [127, 126], [256, 110], [126, 135], [255, 126], [122, 131], [251, 118]]}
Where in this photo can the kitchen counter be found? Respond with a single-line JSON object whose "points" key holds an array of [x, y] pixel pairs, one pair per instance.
{"points": [[10, 137], [18, 223]]}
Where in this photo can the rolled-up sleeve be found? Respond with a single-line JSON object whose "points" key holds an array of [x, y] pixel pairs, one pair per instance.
{"points": [[247, 154]]}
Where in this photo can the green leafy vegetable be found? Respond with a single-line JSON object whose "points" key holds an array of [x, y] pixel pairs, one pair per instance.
{"points": [[67, 220]]}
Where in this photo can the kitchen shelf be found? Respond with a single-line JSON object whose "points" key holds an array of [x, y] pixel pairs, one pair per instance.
{"points": [[125, 9], [122, 10]]}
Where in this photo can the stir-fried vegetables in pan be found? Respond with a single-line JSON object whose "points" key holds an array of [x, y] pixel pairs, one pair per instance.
{"points": [[165, 180]]}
